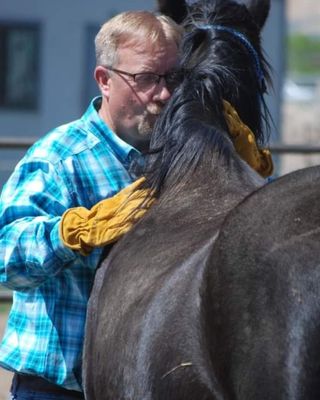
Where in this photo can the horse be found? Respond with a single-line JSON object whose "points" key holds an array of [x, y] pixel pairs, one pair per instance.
{"points": [[155, 329]]}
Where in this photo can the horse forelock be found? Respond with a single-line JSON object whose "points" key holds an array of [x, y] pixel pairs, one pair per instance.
{"points": [[224, 12]]}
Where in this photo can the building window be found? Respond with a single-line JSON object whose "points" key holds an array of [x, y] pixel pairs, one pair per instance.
{"points": [[19, 66]]}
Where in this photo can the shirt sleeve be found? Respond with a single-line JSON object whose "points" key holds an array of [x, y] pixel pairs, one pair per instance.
{"points": [[31, 206]]}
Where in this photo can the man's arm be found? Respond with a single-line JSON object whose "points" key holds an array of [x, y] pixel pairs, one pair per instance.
{"points": [[31, 206], [42, 231]]}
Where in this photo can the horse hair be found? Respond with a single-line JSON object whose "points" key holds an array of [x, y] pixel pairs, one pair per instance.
{"points": [[214, 66]]}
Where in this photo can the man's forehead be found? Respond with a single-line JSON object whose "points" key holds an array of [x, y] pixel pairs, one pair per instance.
{"points": [[144, 50]]}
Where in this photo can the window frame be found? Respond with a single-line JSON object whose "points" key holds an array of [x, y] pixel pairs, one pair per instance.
{"points": [[8, 61]]}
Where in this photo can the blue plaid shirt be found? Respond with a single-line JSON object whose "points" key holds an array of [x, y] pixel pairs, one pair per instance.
{"points": [[77, 164]]}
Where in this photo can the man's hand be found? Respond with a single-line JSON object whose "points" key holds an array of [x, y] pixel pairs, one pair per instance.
{"points": [[82, 229]]}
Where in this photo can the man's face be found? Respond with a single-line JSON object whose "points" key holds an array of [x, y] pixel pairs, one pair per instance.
{"points": [[131, 110]]}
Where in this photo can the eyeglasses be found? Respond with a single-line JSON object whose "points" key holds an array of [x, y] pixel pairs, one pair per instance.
{"points": [[148, 80]]}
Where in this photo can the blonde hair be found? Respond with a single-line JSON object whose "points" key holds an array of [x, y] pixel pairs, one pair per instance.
{"points": [[129, 25]]}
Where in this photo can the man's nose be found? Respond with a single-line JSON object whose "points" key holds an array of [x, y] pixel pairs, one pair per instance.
{"points": [[162, 92]]}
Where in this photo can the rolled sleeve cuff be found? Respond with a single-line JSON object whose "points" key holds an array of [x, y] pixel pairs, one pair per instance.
{"points": [[59, 249]]}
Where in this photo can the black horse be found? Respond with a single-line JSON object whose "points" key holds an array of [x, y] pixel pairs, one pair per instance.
{"points": [[174, 314]]}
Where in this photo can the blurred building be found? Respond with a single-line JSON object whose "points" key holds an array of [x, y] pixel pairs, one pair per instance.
{"points": [[301, 104], [47, 59], [304, 16]]}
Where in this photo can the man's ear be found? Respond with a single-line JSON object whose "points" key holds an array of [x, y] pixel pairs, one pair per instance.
{"points": [[102, 77]]}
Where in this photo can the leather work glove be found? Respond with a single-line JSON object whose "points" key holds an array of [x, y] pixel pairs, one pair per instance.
{"points": [[245, 144], [82, 229]]}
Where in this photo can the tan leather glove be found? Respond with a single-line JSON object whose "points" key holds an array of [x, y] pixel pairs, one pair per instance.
{"points": [[245, 144], [82, 229]]}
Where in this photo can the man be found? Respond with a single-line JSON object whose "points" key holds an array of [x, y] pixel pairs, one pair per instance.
{"points": [[48, 214]]}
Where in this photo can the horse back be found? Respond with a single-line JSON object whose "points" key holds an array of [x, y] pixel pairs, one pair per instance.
{"points": [[265, 285]]}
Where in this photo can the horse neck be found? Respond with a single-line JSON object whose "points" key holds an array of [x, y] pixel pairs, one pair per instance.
{"points": [[196, 155], [215, 185]]}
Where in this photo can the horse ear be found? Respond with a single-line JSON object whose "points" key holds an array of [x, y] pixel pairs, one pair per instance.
{"points": [[176, 9], [259, 9]]}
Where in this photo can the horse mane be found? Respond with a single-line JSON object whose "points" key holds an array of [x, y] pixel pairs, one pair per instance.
{"points": [[215, 65]]}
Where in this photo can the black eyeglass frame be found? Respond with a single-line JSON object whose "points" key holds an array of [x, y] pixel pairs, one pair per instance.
{"points": [[169, 75]]}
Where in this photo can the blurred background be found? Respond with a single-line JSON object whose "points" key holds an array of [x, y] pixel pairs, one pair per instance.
{"points": [[46, 79]]}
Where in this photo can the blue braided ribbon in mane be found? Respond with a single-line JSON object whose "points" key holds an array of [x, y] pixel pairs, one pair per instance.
{"points": [[249, 47]]}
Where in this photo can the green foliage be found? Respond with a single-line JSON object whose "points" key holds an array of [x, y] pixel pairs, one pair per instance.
{"points": [[303, 54]]}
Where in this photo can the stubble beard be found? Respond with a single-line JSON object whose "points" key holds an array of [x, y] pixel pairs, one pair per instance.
{"points": [[148, 120]]}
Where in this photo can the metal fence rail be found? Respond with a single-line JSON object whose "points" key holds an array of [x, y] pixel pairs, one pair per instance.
{"points": [[16, 142], [276, 148], [282, 148], [5, 295]]}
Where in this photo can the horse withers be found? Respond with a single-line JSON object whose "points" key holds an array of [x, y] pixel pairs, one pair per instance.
{"points": [[149, 332]]}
